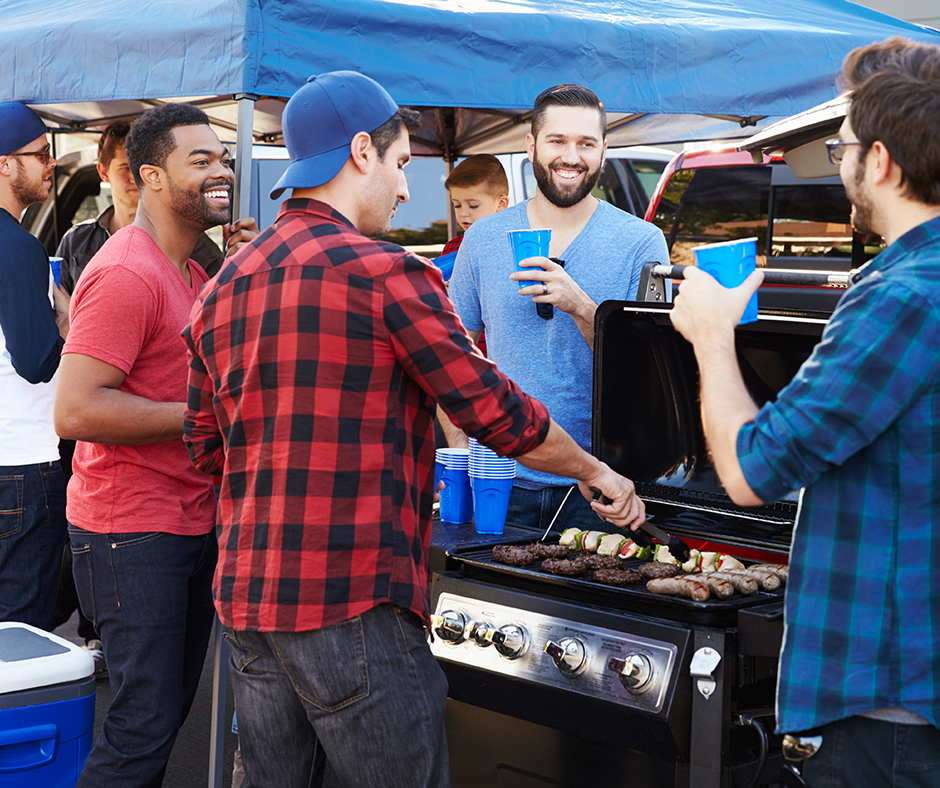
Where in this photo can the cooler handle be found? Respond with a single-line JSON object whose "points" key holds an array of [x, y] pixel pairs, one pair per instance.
{"points": [[28, 748]]}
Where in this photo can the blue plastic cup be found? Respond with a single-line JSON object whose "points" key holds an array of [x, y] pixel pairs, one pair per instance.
{"points": [[526, 244], [490, 504], [438, 472], [731, 262], [456, 497], [55, 263]]}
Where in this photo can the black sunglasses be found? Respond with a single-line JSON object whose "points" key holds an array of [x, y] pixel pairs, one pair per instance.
{"points": [[43, 155]]}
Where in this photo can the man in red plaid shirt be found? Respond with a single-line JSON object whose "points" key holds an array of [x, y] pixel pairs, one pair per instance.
{"points": [[316, 357]]}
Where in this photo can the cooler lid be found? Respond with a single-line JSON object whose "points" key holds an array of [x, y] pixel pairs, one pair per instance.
{"points": [[30, 658]]}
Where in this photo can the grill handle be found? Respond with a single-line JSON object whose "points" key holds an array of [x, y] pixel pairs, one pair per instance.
{"points": [[653, 275]]}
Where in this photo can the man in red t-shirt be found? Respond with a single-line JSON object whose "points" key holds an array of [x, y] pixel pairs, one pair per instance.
{"points": [[141, 518]]}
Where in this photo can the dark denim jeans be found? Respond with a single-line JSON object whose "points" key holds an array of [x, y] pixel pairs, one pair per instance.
{"points": [[859, 752], [534, 509], [368, 691], [149, 596], [32, 537]]}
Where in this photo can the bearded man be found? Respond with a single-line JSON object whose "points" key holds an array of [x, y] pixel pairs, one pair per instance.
{"points": [[603, 250], [141, 517], [34, 321]]}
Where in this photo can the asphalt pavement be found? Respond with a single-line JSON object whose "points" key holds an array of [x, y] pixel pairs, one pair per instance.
{"points": [[189, 762]]}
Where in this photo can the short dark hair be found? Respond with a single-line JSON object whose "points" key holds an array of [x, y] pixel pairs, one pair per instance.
{"points": [[566, 96], [388, 132], [150, 139], [110, 140], [482, 170], [895, 100]]}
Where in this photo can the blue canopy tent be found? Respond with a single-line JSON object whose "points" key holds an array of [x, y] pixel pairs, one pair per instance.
{"points": [[667, 71]]}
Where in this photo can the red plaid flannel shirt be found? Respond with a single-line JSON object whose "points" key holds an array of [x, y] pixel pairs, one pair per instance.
{"points": [[316, 356]]}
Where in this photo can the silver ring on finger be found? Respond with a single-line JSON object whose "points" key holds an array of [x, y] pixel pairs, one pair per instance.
{"points": [[544, 288]]}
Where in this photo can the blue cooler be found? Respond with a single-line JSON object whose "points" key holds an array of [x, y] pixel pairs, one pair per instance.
{"points": [[47, 708]]}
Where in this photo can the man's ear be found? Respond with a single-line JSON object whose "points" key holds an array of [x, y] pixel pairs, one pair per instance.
{"points": [[883, 167], [5, 164], [362, 151], [102, 172], [151, 175], [530, 146]]}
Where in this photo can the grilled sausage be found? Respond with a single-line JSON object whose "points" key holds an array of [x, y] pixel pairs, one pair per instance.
{"points": [[743, 585], [780, 570], [679, 586], [767, 579], [719, 587]]}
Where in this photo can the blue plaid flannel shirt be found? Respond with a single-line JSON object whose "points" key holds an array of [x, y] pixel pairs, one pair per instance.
{"points": [[859, 429]]}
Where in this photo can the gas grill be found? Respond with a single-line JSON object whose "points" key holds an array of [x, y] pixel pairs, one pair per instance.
{"points": [[566, 681]]}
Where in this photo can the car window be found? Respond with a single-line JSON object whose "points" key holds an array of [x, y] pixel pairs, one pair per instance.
{"points": [[813, 220], [616, 185], [648, 171], [422, 221], [713, 204]]}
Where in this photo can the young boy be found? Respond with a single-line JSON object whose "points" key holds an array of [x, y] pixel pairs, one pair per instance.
{"points": [[478, 187]]}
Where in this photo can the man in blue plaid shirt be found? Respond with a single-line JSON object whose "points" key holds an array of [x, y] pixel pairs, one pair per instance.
{"points": [[859, 429]]}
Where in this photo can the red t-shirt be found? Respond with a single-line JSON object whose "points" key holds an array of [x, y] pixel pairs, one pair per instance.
{"points": [[128, 310]]}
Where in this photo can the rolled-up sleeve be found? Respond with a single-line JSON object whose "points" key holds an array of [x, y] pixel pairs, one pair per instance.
{"points": [[877, 355], [434, 349]]}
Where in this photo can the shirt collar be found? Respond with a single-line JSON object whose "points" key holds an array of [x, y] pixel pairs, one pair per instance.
{"points": [[104, 218], [295, 206], [912, 240]]}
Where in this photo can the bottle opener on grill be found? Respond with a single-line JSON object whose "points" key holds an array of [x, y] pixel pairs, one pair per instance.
{"points": [[678, 548]]}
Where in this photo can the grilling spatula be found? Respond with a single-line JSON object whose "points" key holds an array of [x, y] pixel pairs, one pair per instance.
{"points": [[677, 547]]}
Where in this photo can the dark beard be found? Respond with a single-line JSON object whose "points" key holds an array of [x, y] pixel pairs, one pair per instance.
{"points": [[194, 207], [24, 190], [861, 216], [562, 198]]}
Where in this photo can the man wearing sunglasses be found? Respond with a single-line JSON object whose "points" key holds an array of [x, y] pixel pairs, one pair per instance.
{"points": [[858, 429], [34, 321]]}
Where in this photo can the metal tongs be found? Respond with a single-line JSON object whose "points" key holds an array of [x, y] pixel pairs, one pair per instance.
{"points": [[678, 548]]}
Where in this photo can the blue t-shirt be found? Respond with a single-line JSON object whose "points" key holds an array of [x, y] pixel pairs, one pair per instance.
{"points": [[549, 359]]}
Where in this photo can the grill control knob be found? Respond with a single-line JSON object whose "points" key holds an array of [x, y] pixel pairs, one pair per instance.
{"points": [[481, 633], [634, 672], [511, 641], [450, 626], [569, 655]]}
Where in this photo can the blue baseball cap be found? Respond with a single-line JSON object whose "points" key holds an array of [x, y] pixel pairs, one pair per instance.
{"points": [[320, 121], [19, 126]]}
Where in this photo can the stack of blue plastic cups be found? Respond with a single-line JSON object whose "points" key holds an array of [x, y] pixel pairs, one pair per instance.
{"points": [[491, 479], [456, 500]]}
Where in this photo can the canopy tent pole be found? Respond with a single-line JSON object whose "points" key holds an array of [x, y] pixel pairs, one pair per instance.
{"points": [[241, 207]]}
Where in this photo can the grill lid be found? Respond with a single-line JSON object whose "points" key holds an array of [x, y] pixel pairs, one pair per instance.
{"points": [[647, 424]]}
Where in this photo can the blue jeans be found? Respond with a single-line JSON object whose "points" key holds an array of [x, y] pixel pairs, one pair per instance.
{"points": [[858, 752], [149, 596], [32, 537], [534, 509], [367, 691]]}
